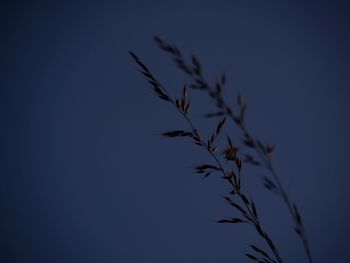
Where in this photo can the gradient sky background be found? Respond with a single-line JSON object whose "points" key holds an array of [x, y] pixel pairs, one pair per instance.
{"points": [[84, 176]]}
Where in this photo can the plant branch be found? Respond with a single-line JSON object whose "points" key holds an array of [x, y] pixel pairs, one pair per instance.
{"points": [[263, 152], [250, 211]]}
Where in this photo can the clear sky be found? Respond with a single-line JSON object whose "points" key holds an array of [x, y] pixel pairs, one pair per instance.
{"points": [[85, 176]]}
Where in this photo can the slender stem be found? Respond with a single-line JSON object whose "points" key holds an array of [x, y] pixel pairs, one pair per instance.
{"points": [[196, 73], [282, 191], [284, 196], [219, 101], [256, 221], [221, 104], [163, 94]]}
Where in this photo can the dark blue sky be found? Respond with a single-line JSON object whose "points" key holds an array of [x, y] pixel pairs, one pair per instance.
{"points": [[84, 176]]}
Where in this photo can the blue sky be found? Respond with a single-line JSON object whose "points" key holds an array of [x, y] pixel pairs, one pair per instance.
{"points": [[85, 176]]}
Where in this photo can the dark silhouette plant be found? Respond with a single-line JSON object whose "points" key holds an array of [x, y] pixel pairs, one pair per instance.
{"points": [[233, 156]]}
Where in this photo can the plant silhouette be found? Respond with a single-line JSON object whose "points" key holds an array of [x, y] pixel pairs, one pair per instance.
{"points": [[227, 165]]}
